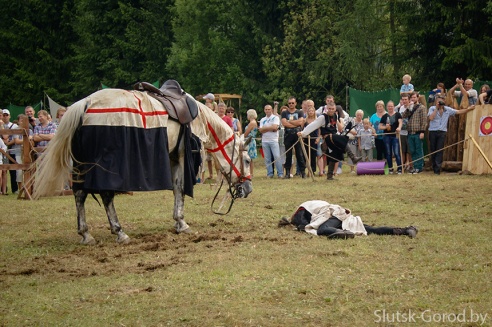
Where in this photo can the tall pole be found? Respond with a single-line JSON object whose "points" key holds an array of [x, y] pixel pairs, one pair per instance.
{"points": [[347, 99]]}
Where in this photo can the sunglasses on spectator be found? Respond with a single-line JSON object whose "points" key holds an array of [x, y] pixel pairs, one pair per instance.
{"points": [[230, 112], [292, 103]]}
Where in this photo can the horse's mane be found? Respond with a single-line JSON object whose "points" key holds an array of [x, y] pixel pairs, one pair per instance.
{"points": [[199, 125]]}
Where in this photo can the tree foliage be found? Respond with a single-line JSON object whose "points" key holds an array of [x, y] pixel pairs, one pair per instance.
{"points": [[264, 50], [35, 49], [120, 43]]}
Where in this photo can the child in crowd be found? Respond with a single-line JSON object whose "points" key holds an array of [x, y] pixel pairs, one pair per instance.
{"points": [[366, 140], [406, 87]]}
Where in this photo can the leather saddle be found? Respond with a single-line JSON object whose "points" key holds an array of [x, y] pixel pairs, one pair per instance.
{"points": [[179, 105]]}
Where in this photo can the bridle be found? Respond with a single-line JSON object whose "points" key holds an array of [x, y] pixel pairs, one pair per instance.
{"points": [[235, 190]]}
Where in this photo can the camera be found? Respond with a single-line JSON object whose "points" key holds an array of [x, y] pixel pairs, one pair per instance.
{"points": [[440, 102], [31, 119]]}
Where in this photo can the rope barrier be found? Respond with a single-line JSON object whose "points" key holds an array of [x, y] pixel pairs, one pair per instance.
{"points": [[400, 166]]}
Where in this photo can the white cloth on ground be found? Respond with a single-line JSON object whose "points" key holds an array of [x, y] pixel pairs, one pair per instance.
{"points": [[321, 211]]}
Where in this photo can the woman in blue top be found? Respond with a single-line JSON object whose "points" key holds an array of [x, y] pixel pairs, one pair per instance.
{"points": [[251, 130], [375, 120]]}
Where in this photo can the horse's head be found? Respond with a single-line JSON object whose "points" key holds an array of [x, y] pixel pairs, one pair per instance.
{"points": [[235, 163], [229, 150], [243, 185]]}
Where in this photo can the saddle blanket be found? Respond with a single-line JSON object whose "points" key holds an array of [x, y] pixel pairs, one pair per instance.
{"points": [[122, 144], [114, 107]]}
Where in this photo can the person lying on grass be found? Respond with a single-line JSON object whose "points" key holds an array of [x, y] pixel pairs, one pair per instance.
{"points": [[322, 218]]}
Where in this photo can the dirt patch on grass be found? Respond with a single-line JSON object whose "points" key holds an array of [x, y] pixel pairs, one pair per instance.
{"points": [[146, 252]]}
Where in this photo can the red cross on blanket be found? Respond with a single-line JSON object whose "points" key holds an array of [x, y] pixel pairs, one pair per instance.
{"points": [[130, 109]]}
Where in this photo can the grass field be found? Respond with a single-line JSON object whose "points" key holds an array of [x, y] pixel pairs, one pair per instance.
{"points": [[242, 270]]}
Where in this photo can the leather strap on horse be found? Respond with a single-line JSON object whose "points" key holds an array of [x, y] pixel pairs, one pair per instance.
{"points": [[231, 190]]}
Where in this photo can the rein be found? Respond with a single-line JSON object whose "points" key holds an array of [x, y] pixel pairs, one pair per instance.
{"points": [[234, 191]]}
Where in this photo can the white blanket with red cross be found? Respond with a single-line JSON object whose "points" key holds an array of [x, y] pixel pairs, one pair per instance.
{"points": [[115, 107]]}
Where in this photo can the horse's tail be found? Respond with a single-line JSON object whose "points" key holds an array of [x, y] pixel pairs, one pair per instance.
{"points": [[54, 165]]}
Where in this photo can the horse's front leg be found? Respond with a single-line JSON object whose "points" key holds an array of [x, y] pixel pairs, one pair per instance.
{"points": [[177, 171], [82, 229], [107, 198]]}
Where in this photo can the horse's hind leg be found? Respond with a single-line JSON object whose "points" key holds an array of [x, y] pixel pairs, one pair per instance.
{"points": [[82, 229], [178, 190], [107, 198]]}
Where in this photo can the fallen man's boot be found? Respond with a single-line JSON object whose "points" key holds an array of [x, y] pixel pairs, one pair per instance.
{"points": [[341, 234], [331, 170], [410, 231]]}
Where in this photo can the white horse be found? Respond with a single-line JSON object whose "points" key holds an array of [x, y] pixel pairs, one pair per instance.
{"points": [[114, 135]]}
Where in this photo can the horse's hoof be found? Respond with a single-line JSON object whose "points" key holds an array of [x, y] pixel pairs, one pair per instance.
{"points": [[88, 240], [123, 239], [186, 231]]}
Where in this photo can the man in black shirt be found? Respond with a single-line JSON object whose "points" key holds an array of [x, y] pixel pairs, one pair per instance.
{"points": [[293, 121]]}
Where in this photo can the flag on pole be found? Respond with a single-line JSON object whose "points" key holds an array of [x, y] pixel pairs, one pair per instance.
{"points": [[53, 106]]}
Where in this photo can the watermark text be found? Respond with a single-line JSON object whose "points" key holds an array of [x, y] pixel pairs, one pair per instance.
{"points": [[430, 316]]}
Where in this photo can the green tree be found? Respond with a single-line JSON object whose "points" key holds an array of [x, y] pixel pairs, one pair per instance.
{"points": [[264, 50], [303, 62], [34, 50], [205, 56], [120, 43], [449, 39], [218, 46], [371, 46]]}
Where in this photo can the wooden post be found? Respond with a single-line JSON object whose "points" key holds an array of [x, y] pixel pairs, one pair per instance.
{"points": [[305, 156], [401, 154], [481, 151], [27, 147], [309, 156]]}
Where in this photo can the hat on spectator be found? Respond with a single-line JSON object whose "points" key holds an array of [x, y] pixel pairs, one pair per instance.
{"points": [[209, 96], [6, 111]]}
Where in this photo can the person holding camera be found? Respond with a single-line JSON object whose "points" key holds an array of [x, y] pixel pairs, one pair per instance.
{"points": [[438, 126], [31, 115]]}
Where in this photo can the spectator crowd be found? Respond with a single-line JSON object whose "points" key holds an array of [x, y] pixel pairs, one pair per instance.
{"points": [[395, 132], [330, 136]]}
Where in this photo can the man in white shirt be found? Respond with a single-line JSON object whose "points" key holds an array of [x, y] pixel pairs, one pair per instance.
{"points": [[465, 87], [9, 141], [269, 140]]}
